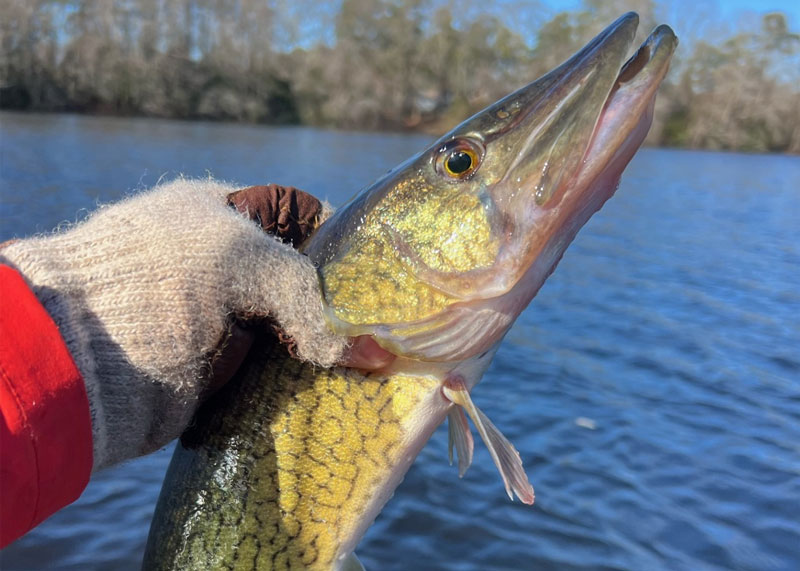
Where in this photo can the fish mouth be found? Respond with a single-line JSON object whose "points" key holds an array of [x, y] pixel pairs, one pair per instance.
{"points": [[627, 114], [590, 110], [569, 136]]}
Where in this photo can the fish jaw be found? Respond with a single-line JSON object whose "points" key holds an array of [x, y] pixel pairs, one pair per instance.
{"points": [[437, 268]]}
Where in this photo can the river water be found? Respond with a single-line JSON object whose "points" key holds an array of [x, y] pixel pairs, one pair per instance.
{"points": [[652, 387]]}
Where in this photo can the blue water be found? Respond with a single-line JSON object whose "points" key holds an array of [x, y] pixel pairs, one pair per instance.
{"points": [[652, 387]]}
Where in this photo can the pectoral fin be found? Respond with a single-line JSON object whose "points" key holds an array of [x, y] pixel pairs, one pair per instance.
{"points": [[460, 435], [505, 456]]}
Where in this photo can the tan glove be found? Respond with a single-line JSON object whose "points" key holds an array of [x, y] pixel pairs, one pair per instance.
{"points": [[145, 293]]}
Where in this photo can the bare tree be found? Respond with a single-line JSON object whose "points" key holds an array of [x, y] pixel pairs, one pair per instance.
{"points": [[421, 64]]}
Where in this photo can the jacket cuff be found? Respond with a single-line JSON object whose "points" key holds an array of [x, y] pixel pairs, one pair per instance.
{"points": [[46, 428]]}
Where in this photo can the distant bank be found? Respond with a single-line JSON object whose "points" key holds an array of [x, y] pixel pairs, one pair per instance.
{"points": [[397, 65]]}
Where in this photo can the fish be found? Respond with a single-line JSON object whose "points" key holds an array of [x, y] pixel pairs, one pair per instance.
{"points": [[289, 464]]}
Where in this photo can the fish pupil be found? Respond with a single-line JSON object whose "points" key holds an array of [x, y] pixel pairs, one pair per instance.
{"points": [[459, 162]]}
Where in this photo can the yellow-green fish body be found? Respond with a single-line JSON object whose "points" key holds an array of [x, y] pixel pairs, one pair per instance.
{"points": [[290, 464]]}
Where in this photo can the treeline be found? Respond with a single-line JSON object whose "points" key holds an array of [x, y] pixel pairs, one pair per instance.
{"points": [[379, 64]]}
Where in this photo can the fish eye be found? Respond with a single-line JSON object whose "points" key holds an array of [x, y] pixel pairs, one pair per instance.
{"points": [[459, 162], [459, 158]]}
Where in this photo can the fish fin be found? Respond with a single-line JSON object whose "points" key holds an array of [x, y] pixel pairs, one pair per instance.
{"points": [[507, 460], [351, 563], [505, 456], [460, 435]]}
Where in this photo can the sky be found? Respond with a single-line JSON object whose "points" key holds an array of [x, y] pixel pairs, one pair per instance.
{"points": [[691, 19], [730, 10]]}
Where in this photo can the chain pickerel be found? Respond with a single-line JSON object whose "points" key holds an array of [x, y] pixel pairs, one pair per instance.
{"points": [[289, 465]]}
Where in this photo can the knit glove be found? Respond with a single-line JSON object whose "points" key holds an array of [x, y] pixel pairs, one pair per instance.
{"points": [[146, 292]]}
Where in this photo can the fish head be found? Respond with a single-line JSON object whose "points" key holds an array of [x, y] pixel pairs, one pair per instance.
{"points": [[438, 257]]}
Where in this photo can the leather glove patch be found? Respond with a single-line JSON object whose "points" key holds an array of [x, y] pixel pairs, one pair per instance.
{"points": [[283, 211]]}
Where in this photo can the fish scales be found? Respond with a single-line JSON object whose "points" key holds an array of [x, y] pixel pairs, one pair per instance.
{"points": [[449, 231], [277, 472]]}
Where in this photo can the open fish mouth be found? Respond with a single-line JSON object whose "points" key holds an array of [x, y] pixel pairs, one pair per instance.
{"points": [[628, 112], [540, 162]]}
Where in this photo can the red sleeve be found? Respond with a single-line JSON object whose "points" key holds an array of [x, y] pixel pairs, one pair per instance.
{"points": [[45, 426]]}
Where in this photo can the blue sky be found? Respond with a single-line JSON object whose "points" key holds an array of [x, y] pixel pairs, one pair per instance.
{"points": [[730, 10], [692, 19]]}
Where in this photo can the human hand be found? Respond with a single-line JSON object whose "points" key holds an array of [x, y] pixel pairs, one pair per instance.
{"points": [[290, 215], [149, 295]]}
